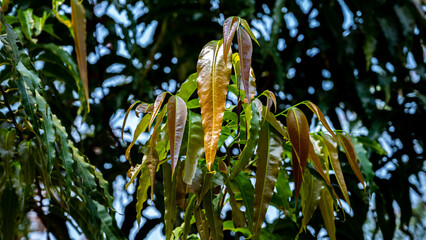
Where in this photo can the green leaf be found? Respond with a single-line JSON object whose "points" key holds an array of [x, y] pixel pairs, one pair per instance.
{"points": [[78, 20], [298, 131], [27, 23], [62, 18], [212, 85], [201, 222], [188, 87], [187, 216], [310, 194], [246, 26], [229, 27], [9, 210], [138, 131], [228, 225], [195, 147], [108, 224], [142, 191], [270, 118], [327, 213], [247, 193], [284, 192], [125, 118], [213, 220], [245, 50], [7, 143], [133, 173], [249, 148], [366, 166], [270, 149], [169, 184], [176, 115], [39, 22], [238, 217]]}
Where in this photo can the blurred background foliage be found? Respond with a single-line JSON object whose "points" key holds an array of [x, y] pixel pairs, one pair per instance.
{"points": [[362, 62]]}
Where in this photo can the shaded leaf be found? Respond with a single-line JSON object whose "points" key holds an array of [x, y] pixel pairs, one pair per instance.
{"points": [[169, 184], [315, 109], [245, 50], [229, 225], [270, 149], [140, 128], [187, 216], [201, 222], [212, 85], [142, 191], [270, 118], [229, 27], [176, 115], [247, 193], [213, 220], [366, 166], [327, 213], [238, 217], [27, 23], [9, 203], [195, 147], [125, 118], [351, 155]]}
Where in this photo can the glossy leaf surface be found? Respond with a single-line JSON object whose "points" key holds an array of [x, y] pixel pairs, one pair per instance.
{"points": [[157, 105], [195, 148], [229, 27], [176, 114], [245, 50], [351, 155]]}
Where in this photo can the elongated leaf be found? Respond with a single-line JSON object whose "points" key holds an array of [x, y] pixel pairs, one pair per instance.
{"points": [[27, 23], [108, 224], [229, 225], [331, 149], [247, 193], [249, 148], [238, 217], [195, 147], [315, 109], [157, 105], [229, 27], [188, 215], [212, 85], [133, 173], [169, 183], [270, 118], [245, 50], [142, 192], [270, 149], [188, 87], [310, 193], [366, 166], [5, 5], [78, 19], [213, 220], [246, 26], [63, 19], [125, 118], [284, 192], [143, 108], [181, 188], [201, 222], [138, 131], [9, 203], [271, 100], [298, 131], [176, 115], [327, 213], [351, 155]]}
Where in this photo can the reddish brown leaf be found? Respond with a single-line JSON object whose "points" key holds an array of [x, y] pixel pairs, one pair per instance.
{"points": [[157, 105], [125, 118], [351, 155], [245, 50], [212, 87], [176, 115], [229, 27]]}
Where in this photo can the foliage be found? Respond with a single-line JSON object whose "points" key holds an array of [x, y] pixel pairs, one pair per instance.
{"points": [[241, 141]]}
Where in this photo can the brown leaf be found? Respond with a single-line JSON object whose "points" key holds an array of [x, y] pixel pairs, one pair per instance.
{"points": [[157, 105], [176, 115], [351, 155], [212, 87], [245, 50], [229, 27]]}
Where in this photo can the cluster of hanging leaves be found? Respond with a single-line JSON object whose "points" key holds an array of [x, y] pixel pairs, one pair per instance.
{"points": [[210, 151], [41, 170]]}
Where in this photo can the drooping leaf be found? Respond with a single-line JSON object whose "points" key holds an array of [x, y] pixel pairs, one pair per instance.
{"points": [[229, 27], [27, 23], [270, 118], [134, 172], [327, 213], [181, 188], [157, 105], [212, 85], [140, 128], [246, 26], [9, 203], [108, 224], [169, 184], [271, 100], [366, 166], [142, 192], [247, 193], [331, 148], [238, 217], [62, 18], [315, 109], [143, 108], [7, 143], [351, 155], [201, 222], [270, 149], [284, 192], [310, 194], [249, 148], [298, 131], [213, 220], [78, 20], [188, 87], [229, 225], [176, 115], [125, 118], [187, 216], [245, 50], [195, 147]]}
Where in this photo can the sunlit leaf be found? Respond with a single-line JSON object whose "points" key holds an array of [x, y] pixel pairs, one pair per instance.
{"points": [[176, 115], [351, 155], [212, 85], [142, 192], [315, 109], [157, 105], [188, 87], [78, 19], [270, 118], [63, 19], [245, 50], [298, 131], [327, 212], [229, 27], [270, 149], [195, 147], [284, 192], [229, 225], [246, 26], [133, 173]]}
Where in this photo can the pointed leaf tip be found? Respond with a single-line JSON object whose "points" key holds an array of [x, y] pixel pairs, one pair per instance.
{"points": [[229, 27], [176, 115], [245, 50]]}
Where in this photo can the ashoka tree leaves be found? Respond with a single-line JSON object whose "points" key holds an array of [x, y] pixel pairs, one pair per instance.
{"points": [[212, 86], [176, 114]]}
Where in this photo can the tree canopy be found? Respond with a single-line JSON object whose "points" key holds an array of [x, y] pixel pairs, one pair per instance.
{"points": [[361, 62]]}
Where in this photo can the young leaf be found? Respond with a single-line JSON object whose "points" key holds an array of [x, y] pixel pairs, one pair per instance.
{"points": [[270, 149], [188, 87], [351, 155], [331, 149], [78, 19], [298, 131], [315, 109], [125, 119], [229, 27], [245, 50], [139, 129], [246, 26], [176, 115], [327, 213], [195, 147], [142, 192], [157, 105], [212, 86]]}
